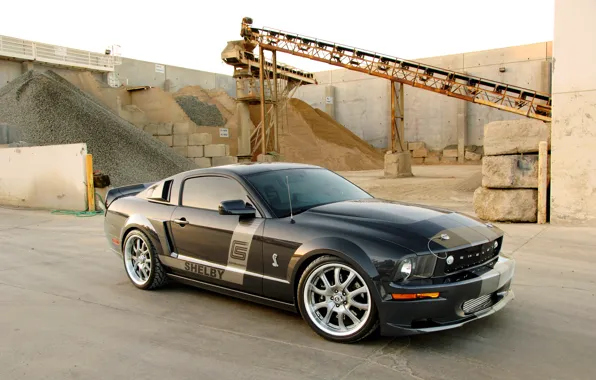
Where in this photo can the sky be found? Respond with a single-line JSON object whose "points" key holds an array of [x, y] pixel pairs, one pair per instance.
{"points": [[192, 34]]}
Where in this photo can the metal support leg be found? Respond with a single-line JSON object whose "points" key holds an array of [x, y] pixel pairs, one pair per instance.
{"points": [[262, 91], [397, 142], [275, 110]]}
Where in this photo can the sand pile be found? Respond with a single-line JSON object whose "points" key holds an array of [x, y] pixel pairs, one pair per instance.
{"points": [[313, 137], [50, 110]]}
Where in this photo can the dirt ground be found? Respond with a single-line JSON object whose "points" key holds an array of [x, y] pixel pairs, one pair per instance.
{"points": [[448, 186]]}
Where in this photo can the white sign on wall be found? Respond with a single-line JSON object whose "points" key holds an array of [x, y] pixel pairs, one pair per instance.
{"points": [[160, 68], [224, 132], [329, 100]]}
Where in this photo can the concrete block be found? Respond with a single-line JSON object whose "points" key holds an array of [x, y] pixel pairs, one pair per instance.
{"points": [[420, 153], [472, 156], [180, 140], [448, 160], [216, 150], [512, 171], [431, 160], [181, 150], [450, 152], [417, 160], [203, 162], [164, 129], [195, 151], [416, 145], [226, 160], [181, 128], [166, 140], [267, 158], [398, 165], [515, 136], [151, 129], [513, 205], [200, 139]]}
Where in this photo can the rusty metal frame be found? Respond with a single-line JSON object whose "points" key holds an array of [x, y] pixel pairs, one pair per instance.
{"points": [[490, 93]]}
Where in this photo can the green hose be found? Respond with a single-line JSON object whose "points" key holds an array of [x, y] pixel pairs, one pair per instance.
{"points": [[83, 214]]}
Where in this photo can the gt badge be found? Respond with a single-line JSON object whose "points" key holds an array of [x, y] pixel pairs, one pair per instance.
{"points": [[450, 260], [274, 257]]}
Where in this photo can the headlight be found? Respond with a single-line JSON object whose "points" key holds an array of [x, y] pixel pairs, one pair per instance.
{"points": [[405, 268], [411, 267]]}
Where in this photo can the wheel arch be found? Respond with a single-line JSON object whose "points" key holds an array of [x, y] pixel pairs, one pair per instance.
{"points": [[339, 247], [143, 224]]}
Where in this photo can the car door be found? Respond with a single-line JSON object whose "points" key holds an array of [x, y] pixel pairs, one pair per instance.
{"points": [[222, 249]]}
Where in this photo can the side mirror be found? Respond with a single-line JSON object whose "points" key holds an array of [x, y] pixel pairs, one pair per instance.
{"points": [[236, 207]]}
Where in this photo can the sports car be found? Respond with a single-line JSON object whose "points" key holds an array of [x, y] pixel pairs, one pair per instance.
{"points": [[305, 239]]}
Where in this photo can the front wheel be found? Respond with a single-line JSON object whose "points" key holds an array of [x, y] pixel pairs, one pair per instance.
{"points": [[336, 302]]}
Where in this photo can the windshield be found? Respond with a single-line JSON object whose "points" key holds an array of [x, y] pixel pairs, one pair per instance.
{"points": [[308, 187]]}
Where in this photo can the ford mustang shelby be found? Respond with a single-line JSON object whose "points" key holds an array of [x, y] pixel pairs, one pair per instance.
{"points": [[305, 239]]}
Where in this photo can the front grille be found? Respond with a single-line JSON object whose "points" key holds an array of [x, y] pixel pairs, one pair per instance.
{"points": [[470, 257], [477, 304]]}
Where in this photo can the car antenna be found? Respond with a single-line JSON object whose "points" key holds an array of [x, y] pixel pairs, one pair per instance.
{"points": [[290, 198]]}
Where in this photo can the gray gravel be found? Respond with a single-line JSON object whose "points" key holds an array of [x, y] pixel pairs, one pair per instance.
{"points": [[49, 110], [202, 114]]}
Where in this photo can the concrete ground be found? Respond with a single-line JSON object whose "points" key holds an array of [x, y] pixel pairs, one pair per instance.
{"points": [[68, 311]]}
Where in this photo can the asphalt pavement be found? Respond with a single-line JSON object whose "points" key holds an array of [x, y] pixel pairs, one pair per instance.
{"points": [[68, 311]]}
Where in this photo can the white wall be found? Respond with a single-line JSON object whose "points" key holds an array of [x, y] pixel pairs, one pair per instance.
{"points": [[49, 177], [573, 186]]}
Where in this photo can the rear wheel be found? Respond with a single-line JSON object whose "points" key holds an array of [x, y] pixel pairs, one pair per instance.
{"points": [[336, 302], [141, 263]]}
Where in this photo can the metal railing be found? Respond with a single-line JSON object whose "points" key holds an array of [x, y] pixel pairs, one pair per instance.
{"points": [[20, 49]]}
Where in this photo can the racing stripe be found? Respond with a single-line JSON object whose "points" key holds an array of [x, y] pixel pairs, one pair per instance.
{"points": [[239, 250]]}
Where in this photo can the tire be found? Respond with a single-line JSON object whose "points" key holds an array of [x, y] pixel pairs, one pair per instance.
{"points": [[327, 308], [151, 275]]}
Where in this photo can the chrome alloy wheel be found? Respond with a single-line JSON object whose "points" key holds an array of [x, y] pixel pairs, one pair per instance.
{"points": [[137, 258], [337, 299]]}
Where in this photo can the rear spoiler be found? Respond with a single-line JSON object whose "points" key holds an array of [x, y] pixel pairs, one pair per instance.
{"points": [[125, 191]]}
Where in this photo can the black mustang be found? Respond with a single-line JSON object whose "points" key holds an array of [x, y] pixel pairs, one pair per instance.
{"points": [[305, 239]]}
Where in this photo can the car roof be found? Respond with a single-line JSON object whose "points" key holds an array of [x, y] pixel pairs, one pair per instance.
{"points": [[248, 168]]}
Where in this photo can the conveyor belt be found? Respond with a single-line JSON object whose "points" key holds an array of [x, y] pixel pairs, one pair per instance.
{"points": [[494, 94]]}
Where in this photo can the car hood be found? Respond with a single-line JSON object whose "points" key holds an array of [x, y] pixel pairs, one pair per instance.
{"points": [[415, 227]]}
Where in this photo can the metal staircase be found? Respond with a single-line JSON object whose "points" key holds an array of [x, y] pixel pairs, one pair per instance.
{"points": [[256, 137]]}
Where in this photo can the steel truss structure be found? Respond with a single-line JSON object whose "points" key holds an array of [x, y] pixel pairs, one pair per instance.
{"points": [[506, 97]]}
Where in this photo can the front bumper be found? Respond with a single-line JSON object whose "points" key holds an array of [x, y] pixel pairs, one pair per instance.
{"points": [[409, 317]]}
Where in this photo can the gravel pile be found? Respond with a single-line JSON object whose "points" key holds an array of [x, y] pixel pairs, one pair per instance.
{"points": [[202, 114], [50, 110]]}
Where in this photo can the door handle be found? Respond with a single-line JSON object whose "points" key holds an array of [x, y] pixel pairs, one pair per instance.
{"points": [[181, 221]]}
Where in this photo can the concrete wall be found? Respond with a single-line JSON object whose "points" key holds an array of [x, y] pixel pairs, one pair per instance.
{"points": [[362, 102], [50, 177], [9, 70], [573, 186], [170, 78], [133, 72]]}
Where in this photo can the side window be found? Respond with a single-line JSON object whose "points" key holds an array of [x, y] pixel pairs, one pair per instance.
{"points": [[209, 192]]}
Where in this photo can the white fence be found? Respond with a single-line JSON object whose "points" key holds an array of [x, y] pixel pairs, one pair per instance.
{"points": [[56, 55]]}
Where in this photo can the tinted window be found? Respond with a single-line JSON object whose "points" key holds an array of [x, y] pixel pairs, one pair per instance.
{"points": [[308, 187], [209, 192]]}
